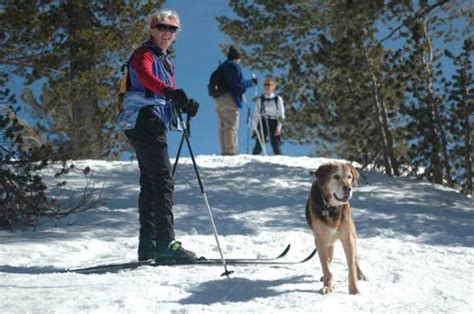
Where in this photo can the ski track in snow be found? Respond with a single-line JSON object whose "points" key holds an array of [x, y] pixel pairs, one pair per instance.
{"points": [[415, 244]]}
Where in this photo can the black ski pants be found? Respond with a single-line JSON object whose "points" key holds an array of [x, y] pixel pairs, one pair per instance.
{"points": [[149, 139], [274, 139]]}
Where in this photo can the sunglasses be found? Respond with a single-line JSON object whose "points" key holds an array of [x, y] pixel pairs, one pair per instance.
{"points": [[166, 27], [267, 84]]}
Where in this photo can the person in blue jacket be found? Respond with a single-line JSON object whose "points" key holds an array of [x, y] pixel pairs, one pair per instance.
{"points": [[228, 104], [151, 106]]}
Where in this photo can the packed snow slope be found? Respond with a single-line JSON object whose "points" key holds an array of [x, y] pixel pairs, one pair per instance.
{"points": [[415, 244]]}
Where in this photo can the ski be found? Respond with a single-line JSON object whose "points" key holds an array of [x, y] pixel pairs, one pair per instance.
{"points": [[201, 261], [282, 254], [198, 262], [217, 262]]}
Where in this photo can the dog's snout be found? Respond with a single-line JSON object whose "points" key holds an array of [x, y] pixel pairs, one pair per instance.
{"points": [[346, 189]]}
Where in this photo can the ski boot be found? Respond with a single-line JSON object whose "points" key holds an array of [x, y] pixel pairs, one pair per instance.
{"points": [[173, 251]]}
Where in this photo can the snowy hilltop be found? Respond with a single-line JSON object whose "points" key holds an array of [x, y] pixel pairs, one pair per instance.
{"points": [[416, 245]]}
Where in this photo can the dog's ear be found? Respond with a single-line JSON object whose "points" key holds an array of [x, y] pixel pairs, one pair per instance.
{"points": [[322, 173], [355, 174]]}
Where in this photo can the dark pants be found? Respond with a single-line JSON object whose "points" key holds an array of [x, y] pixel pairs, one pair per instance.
{"points": [[274, 139], [155, 202]]}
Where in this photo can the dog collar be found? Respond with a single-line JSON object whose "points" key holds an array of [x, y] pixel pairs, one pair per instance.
{"points": [[330, 211], [326, 209]]}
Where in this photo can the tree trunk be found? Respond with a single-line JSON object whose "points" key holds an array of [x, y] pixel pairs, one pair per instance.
{"points": [[86, 141], [388, 134], [468, 145], [466, 105], [390, 162], [440, 143]]}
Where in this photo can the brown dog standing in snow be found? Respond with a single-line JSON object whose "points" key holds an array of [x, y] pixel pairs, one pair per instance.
{"points": [[329, 216]]}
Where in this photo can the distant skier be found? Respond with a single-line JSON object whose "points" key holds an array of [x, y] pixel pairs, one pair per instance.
{"points": [[228, 104], [150, 106], [268, 116]]}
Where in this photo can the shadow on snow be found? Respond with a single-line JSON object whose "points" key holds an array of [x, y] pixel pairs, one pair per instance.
{"points": [[241, 290]]}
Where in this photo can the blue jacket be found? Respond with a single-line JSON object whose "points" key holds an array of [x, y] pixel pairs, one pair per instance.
{"points": [[234, 81]]}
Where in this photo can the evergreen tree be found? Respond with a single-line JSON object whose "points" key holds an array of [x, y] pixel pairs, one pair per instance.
{"points": [[461, 108], [363, 79], [426, 110], [332, 72], [76, 48]]}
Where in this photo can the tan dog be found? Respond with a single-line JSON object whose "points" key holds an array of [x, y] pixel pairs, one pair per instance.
{"points": [[329, 216]]}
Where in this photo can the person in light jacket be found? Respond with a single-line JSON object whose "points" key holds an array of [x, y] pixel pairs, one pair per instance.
{"points": [[268, 117]]}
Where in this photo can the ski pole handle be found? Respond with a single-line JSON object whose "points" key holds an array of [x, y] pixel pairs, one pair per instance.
{"points": [[254, 76]]}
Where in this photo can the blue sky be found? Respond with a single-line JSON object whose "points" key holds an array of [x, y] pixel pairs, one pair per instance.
{"points": [[197, 55]]}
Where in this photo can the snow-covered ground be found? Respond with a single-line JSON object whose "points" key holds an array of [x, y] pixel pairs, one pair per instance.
{"points": [[415, 244]]}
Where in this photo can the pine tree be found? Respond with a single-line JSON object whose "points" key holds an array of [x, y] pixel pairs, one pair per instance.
{"points": [[461, 101], [426, 111], [75, 48], [358, 96], [332, 72]]}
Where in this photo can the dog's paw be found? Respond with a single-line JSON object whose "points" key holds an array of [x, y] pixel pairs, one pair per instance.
{"points": [[325, 290], [361, 276], [354, 291]]}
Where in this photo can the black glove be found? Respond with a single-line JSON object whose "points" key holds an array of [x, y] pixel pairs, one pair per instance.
{"points": [[177, 96], [254, 135], [191, 108], [254, 81]]}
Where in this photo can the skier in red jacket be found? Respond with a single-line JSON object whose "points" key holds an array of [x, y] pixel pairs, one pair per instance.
{"points": [[151, 104]]}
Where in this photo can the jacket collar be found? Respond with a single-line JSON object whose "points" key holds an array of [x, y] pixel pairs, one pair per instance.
{"points": [[271, 96], [157, 50]]}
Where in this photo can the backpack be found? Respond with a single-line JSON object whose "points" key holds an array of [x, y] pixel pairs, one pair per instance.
{"points": [[262, 99], [216, 86], [124, 86]]}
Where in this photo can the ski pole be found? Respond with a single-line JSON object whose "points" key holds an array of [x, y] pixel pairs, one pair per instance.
{"points": [[268, 129], [262, 134], [261, 138], [248, 129], [257, 133], [206, 201], [178, 153]]}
